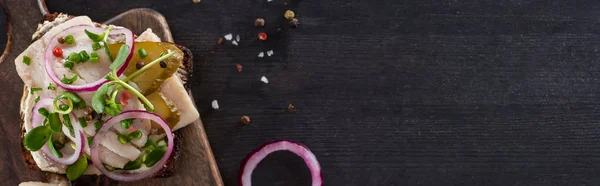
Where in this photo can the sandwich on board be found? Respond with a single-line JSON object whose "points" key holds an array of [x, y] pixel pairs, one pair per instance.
{"points": [[99, 100]]}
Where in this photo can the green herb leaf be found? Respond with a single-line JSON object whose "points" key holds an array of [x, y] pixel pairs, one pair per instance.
{"points": [[70, 95], [90, 139], [69, 65], [82, 122], [94, 57], [77, 169], [63, 107], [123, 139], [33, 89], [74, 57], [149, 145], [94, 37], [53, 150], [112, 108], [37, 137], [132, 165], [51, 87], [136, 135], [126, 123], [98, 125], [121, 57], [69, 81], [37, 99], [83, 55], [26, 60], [155, 156], [96, 46], [67, 122], [99, 98], [142, 53], [54, 121], [43, 112], [69, 39]]}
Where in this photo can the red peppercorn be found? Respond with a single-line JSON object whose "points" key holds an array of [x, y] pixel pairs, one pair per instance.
{"points": [[124, 98], [262, 36], [239, 67], [57, 52]]}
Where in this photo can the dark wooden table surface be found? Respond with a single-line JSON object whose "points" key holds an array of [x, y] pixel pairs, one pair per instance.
{"points": [[394, 92]]}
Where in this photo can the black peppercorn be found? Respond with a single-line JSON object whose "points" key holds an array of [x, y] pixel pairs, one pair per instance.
{"points": [[139, 65], [61, 40], [163, 64]]}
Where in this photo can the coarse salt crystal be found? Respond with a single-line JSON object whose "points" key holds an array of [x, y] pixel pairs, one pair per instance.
{"points": [[264, 79], [215, 104], [234, 43], [228, 37], [270, 53], [261, 54], [237, 38]]}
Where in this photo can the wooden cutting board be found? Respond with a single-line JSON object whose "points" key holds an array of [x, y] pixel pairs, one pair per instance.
{"points": [[196, 164]]}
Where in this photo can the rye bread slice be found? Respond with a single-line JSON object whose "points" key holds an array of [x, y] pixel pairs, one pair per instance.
{"points": [[183, 72]]}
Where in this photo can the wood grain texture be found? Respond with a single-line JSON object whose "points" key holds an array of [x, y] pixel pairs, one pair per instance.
{"points": [[199, 166]]}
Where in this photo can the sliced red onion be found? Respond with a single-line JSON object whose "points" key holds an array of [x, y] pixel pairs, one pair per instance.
{"points": [[260, 153], [79, 29], [138, 114], [37, 119]]}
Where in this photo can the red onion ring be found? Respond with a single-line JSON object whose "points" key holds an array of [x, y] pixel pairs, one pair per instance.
{"points": [[140, 114], [79, 29], [37, 120], [261, 152]]}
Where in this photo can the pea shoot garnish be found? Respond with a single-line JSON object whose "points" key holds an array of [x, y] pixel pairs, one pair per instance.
{"points": [[101, 38], [104, 100], [73, 102], [77, 169], [37, 137], [69, 81]]}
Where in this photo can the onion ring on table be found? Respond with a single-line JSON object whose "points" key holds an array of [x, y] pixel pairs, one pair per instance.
{"points": [[252, 160]]}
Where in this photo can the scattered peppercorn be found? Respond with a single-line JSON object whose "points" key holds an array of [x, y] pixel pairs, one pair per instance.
{"points": [[260, 22], [196, 1], [163, 64], [220, 41], [89, 117], [239, 67], [61, 40], [289, 15], [291, 107], [245, 120], [262, 36], [139, 65], [294, 23], [57, 52]]}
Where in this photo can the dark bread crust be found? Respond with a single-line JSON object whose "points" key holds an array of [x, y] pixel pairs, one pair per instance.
{"points": [[183, 72]]}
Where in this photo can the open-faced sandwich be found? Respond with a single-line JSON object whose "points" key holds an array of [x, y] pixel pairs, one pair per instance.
{"points": [[99, 100]]}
